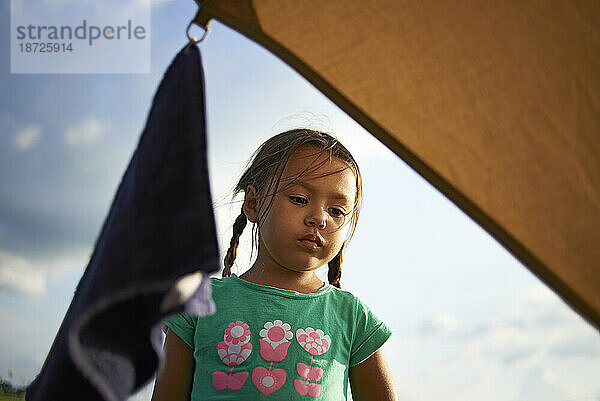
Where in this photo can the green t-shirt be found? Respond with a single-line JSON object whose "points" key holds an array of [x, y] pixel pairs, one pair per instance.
{"points": [[268, 343]]}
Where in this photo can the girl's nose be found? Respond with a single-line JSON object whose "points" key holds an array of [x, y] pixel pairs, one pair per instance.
{"points": [[316, 219]]}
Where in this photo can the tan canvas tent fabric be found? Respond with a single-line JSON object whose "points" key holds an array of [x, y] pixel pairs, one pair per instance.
{"points": [[497, 104]]}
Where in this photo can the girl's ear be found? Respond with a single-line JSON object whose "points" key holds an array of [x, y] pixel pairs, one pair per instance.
{"points": [[251, 203]]}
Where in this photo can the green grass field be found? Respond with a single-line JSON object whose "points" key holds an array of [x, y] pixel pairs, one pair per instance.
{"points": [[10, 398]]}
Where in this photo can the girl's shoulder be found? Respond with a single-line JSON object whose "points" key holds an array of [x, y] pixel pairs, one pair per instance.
{"points": [[217, 282], [224, 283]]}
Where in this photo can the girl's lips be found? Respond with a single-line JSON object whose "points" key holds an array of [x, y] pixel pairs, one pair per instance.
{"points": [[309, 244]]}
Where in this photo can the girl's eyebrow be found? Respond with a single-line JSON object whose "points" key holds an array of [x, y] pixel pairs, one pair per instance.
{"points": [[334, 195]]}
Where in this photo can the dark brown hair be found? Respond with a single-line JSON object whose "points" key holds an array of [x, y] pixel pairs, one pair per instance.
{"points": [[265, 170]]}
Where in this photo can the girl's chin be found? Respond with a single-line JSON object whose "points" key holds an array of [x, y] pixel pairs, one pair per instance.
{"points": [[303, 267], [301, 262]]}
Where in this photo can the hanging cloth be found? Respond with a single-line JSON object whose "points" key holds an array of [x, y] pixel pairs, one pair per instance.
{"points": [[151, 259]]}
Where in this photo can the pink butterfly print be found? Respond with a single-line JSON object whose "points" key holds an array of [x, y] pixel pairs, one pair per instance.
{"points": [[234, 382], [313, 390]]}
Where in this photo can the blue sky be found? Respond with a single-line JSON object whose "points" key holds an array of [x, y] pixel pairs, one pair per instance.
{"points": [[470, 321]]}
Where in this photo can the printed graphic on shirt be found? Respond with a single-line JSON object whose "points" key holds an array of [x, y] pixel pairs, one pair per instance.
{"points": [[316, 343], [233, 351], [274, 344]]}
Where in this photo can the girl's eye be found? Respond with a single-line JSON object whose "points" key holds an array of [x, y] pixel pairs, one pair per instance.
{"points": [[336, 212], [298, 200]]}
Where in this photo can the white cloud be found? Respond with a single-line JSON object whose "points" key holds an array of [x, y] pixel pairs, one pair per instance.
{"points": [[27, 137], [571, 384], [536, 349], [32, 277], [20, 275], [85, 133], [441, 323]]}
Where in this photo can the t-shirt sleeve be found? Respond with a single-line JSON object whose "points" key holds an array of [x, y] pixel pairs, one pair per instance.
{"points": [[370, 333], [184, 325]]}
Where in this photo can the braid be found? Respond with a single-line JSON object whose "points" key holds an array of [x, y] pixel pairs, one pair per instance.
{"points": [[335, 269], [238, 228]]}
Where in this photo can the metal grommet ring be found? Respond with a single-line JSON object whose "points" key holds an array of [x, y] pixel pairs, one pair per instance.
{"points": [[193, 39]]}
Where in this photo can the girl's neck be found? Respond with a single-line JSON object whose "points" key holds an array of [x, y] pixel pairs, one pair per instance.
{"points": [[303, 282]]}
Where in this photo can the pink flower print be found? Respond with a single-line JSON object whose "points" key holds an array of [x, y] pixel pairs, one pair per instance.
{"points": [[275, 342], [315, 342], [236, 333], [233, 355], [236, 348], [271, 354], [233, 352], [268, 381], [276, 333]]}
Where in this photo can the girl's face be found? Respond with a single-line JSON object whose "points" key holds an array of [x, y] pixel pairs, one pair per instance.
{"points": [[308, 220]]}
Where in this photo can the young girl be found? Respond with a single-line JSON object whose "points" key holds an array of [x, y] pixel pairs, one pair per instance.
{"points": [[279, 332]]}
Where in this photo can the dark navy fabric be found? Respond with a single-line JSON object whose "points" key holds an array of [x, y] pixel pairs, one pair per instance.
{"points": [[160, 226]]}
